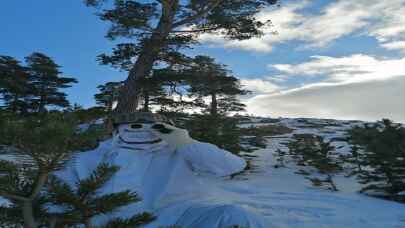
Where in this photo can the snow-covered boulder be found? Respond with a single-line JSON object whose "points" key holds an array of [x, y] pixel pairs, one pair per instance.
{"points": [[164, 165]]}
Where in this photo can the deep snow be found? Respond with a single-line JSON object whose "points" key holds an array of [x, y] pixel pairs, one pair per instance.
{"points": [[287, 200]]}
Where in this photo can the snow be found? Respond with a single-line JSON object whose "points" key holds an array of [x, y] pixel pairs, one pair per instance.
{"points": [[4, 202], [184, 182], [287, 200]]}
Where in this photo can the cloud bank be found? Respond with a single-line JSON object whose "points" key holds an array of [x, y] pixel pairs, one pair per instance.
{"points": [[371, 100], [349, 87]]}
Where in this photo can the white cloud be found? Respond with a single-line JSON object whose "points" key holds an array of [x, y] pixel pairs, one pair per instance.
{"points": [[395, 45], [285, 21], [350, 87], [258, 86], [336, 20], [371, 100], [352, 68], [383, 20]]}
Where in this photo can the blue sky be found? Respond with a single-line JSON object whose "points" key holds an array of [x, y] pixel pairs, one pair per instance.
{"points": [[328, 60]]}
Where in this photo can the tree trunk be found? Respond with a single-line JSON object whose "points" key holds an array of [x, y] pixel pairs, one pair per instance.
{"points": [[146, 101], [28, 215], [88, 224], [332, 184], [27, 210], [129, 93], [53, 222], [14, 107], [214, 104], [109, 106]]}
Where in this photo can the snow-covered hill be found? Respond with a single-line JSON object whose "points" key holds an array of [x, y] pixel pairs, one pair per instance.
{"points": [[288, 200]]}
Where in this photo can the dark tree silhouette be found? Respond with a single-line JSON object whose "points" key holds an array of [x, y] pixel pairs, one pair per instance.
{"points": [[155, 25]]}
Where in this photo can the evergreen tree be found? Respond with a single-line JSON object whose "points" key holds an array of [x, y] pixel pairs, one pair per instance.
{"points": [[155, 25], [326, 164], [174, 84], [108, 95], [83, 201], [219, 130], [210, 79], [165, 80], [383, 159], [356, 159], [38, 146], [46, 83], [151, 91], [315, 152], [14, 84], [231, 104]]}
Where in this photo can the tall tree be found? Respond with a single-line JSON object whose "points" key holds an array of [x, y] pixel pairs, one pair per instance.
{"points": [[210, 79], [175, 85], [155, 24], [166, 79], [46, 82], [152, 91], [14, 84]]}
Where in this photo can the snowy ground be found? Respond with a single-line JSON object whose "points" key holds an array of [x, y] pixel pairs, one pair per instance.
{"points": [[288, 200]]}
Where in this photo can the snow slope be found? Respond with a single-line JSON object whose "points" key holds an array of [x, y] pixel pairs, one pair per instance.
{"points": [[288, 200]]}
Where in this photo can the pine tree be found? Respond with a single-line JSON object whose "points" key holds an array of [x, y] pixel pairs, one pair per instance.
{"points": [[155, 25], [383, 159], [316, 153], [151, 90], [325, 164], [46, 83], [83, 201], [210, 79], [14, 85], [356, 159], [164, 81], [222, 131], [231, 104], [38, 146], [175, 83], [108, 95]]}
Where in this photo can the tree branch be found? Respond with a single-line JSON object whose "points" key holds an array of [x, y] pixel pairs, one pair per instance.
{"points": [[14, 197], [198, 15], [195, 30], [42, 178]]}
